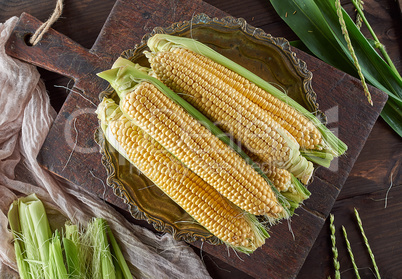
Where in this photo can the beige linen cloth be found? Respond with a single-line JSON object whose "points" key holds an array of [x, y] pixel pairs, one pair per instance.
{"points": [[25, 119]]}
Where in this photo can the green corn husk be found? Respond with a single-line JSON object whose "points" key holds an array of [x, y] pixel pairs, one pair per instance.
{"points": [[56, 266], [30, 226], [122, 269], [333, 145], [39, 254], [124, 79], [297, 164], [19, 247], [31, 244], [23, 266], [71, 251], [85, 252], [102, 263], [297, 193], [118, 271], [125, 76]]}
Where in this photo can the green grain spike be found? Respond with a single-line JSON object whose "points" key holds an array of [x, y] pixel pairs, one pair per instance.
{"points": [[352, 258], [351, 50], [359, 221], [334, 249]]}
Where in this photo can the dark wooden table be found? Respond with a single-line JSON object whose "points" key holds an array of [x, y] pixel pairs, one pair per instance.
{"points": [[375, 176]]}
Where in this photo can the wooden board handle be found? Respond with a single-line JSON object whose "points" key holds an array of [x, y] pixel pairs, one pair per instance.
{"points": [[55, 52]]}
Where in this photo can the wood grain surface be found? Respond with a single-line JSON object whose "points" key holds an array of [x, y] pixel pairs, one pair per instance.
{"points": [[369, 182]]}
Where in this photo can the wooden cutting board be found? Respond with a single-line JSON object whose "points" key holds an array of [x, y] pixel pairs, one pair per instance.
{"points": [[71, 152]]}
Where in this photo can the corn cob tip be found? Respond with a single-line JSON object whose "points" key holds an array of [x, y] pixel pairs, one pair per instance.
{"points": [[123, 62], [106, 108], [161, 42], [120, 78], [106, 111]]}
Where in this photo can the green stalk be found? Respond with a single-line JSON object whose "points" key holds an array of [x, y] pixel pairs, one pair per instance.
{"points": [[378, 44], [162, 42], [359, 20], [317, 25], [124, 79]]}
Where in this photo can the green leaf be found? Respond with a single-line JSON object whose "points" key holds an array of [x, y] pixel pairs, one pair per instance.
{"points": [[374, 68], [307, 21], [392, 114], [317, 25]]}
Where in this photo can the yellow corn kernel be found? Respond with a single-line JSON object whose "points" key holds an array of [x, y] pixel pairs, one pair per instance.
{"points": [[201, 151], [306, 134], [280, 178], [213, 89], [187, 189]]}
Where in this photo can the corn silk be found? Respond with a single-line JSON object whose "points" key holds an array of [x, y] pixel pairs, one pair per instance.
{"points": [[26, 117]]}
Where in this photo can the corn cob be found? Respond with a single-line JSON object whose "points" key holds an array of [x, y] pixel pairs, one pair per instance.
{"points": [[187, 139], [227, 222], [317, 142], [187, 72], [202, 69]]}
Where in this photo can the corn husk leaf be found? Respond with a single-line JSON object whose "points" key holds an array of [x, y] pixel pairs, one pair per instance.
{"points": [[71, 244], [122, 269], [55, 263], [30, 226], [102, 263]]}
